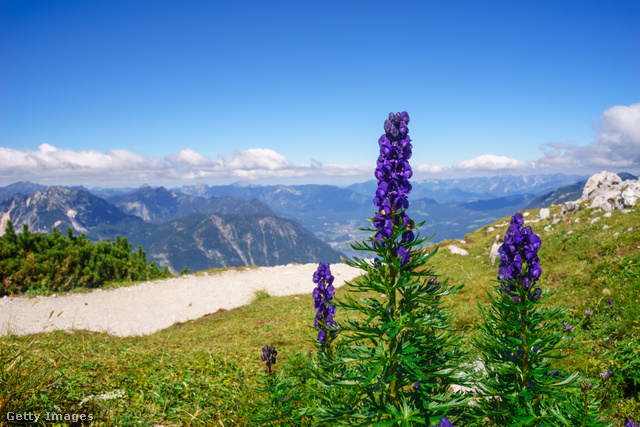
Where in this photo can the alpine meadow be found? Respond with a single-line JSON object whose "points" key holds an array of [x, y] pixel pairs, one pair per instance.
{"points": [[530, 320]]}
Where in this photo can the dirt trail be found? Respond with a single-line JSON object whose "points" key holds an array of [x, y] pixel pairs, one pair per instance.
{"points": [[151, 306]]}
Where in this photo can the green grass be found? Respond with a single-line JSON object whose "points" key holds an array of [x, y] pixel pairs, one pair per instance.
{"points": [[200, 373]]}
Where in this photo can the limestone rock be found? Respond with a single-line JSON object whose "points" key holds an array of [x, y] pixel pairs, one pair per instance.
{"points": [[544, 213], [598, 184], [607, 191], [457, 251], [596, 219], [493, 254]]}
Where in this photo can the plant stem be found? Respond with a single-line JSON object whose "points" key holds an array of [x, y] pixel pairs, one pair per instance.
{"points": [[394, 341]]}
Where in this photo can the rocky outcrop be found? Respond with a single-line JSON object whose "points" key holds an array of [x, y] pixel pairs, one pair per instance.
{"points": [[608, 191]]}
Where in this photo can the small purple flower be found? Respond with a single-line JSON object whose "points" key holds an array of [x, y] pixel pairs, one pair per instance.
{"points": [[416, 385], [587, 312], [631, 424], [605, 375], [444, 422], [586, 387], [609, 302], [566, 325]]}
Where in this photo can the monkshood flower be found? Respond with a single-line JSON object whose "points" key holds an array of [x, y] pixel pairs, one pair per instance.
{"points": [[269, 355], [520, 246], [322, 296], [519, 341], [396, 357], [393, 172]]}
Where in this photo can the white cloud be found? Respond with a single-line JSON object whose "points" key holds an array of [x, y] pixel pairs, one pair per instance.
{"points": [[427, 168], [490, 163], [617, 145], [51, 163], [190, 158], [257, 158]]}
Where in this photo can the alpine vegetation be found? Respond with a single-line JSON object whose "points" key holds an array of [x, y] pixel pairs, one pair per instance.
{"points": [[394, 360], [518, 340], [281, 395]]}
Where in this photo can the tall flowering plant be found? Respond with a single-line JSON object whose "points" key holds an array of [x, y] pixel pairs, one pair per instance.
{"points": [[519, 338], [395, 359], [322, 296]]}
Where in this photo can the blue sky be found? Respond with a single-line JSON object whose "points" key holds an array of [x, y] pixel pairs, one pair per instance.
{"points": [[115, 93]]}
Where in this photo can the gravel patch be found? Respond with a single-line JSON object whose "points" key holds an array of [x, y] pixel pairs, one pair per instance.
{"points": [[148, 307]]}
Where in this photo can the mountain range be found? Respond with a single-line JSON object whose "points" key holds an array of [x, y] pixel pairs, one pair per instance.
{"points": [[244, 233], [244, 220]]}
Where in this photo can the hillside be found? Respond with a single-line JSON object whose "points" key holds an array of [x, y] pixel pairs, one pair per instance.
{"points": [[201, 241], [585, 262]]}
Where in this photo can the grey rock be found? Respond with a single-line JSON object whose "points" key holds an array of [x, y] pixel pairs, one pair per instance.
{"points": [[569, 207], [596, 219], [607, 215]]}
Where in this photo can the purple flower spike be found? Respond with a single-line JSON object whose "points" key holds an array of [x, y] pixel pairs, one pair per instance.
{"points": [[322, 296], [269, 355], [393, 172], [520, 247]]}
